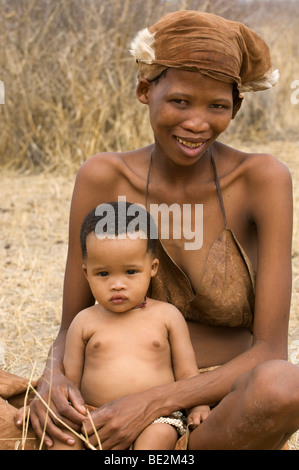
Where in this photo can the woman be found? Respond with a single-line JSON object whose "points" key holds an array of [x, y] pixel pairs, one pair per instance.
{"points": [[235, 290]]}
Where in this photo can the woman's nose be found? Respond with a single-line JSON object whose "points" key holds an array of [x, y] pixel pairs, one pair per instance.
{"points": [[197, 122]]}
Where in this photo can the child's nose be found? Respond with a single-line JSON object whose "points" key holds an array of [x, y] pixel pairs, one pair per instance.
{"points": [[118, 284]]}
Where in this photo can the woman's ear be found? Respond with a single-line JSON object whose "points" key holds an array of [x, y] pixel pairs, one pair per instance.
{"points": [[142, 90]]}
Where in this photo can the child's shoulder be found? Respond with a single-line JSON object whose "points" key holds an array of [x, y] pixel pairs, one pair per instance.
{"points": [[164, 308], [86, 314]]}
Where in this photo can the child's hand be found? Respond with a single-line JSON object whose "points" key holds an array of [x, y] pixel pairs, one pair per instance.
{"points": [[197, 415]]}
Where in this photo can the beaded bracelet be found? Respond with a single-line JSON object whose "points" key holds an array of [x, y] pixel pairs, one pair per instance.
{"points": [[176, 419]]}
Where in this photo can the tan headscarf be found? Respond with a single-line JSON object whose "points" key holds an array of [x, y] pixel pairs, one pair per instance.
{"points": [[191, 40]]}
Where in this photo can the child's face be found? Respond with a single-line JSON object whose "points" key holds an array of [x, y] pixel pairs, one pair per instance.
{"points": [[118, 271]]}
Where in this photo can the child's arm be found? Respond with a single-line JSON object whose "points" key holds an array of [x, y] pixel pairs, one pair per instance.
{"points": [[184, 363], [183, 356], [73, 360], [197, 415]]}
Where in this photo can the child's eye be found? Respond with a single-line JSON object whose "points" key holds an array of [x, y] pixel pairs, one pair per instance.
{"points": [[131, 271], [103, 273]]}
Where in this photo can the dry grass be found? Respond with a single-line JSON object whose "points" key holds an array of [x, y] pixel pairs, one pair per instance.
{"points": [[69, 79], [69, 90], [34, 218], [33, 244]]}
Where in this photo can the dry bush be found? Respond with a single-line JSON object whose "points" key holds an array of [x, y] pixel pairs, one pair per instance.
{"points": [[271, 114], [70, 81]]}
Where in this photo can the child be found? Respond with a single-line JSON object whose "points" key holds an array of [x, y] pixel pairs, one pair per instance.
{"points": [[127, 343]]}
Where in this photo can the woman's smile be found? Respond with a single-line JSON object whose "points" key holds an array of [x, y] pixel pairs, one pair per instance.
{"points": [[189, 144], [188, 111], [191, 148]]}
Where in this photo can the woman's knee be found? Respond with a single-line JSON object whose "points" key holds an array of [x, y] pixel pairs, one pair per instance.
{"points": [[271, 389]]}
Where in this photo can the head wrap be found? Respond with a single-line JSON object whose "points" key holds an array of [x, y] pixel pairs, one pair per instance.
{"points": [[223, 49]]}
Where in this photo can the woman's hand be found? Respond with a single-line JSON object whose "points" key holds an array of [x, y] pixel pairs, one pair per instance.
{"points": [[66, 403], [118, 423]]}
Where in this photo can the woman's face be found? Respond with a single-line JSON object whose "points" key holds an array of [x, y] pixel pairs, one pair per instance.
{"points": [[188, 111]]}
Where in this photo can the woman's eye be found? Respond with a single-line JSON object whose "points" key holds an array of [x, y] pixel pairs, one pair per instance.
{"points": [[217, 106], [178, 101]]}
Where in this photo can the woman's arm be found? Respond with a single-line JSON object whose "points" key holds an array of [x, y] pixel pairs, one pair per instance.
{"points": [[272, 212], [89, 191], [269, 192]]}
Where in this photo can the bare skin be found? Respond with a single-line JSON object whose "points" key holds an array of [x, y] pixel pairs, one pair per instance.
{"points": [[257, 194], [114, 349]]}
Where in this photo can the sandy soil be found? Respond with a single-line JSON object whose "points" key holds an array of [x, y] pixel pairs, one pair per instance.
{"points": [[33, 244]]}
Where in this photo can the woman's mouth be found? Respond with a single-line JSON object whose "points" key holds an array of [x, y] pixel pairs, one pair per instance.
{"points": [[189, 144]]}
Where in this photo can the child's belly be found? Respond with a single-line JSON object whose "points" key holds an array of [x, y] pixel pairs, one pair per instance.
{"points": [[122, 377]]}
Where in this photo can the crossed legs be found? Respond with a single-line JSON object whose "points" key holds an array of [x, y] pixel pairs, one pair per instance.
{"points": [[261, 412]]}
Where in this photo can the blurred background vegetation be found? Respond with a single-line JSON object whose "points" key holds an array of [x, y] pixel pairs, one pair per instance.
{"points": [[70, 80]]}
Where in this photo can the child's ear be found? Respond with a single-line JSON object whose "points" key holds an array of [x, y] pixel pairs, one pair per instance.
{"points": [[84, 269], [155, 265], [142, 90]]}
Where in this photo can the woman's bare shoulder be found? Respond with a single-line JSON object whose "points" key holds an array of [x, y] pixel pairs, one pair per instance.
{"points": [[253, 165], [267, 183], [264, 172], [107, 165], [101, 166]]}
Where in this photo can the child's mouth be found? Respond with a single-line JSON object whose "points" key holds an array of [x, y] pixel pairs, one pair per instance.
{"points": [[118, 299]]}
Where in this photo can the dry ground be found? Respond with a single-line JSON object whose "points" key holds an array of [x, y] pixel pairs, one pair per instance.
{"points": [[33, 244]]}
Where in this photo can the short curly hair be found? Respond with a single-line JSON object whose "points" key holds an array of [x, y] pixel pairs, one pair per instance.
{"points": [[117, 218]]}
